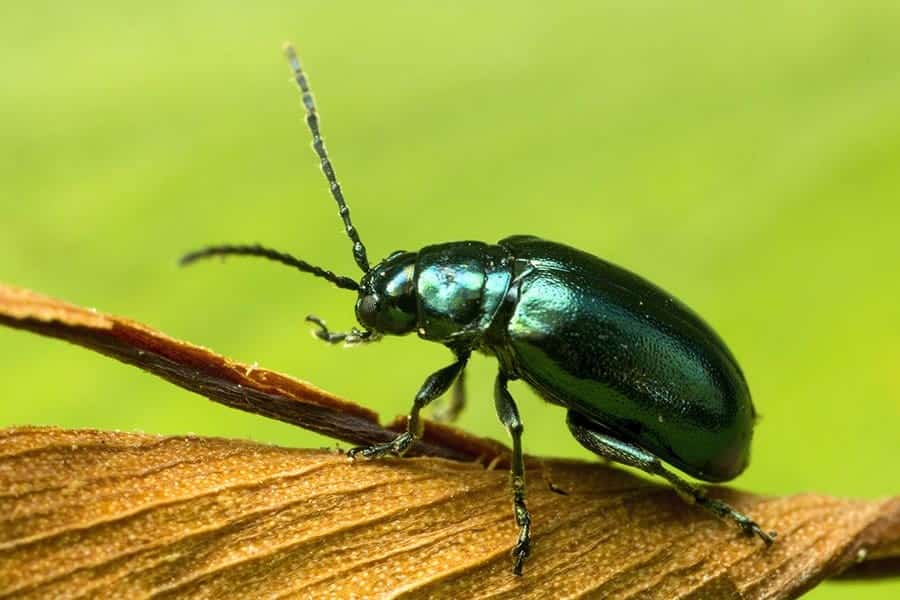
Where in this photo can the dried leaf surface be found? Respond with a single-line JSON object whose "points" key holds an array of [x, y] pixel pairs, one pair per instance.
{"points": [[117, 514]]}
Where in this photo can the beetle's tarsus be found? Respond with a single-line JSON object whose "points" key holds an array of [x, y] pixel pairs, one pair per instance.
{"points": [[348, 338], [753, 529], [520, 557], [396, 447], [522, 549], [321, 330], [748, 526]]}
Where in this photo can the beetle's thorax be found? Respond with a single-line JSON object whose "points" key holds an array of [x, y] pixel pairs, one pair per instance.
{"points": [[447, 293], [460, 287]]}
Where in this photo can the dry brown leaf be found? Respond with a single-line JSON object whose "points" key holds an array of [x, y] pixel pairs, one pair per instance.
{"points": [[241, 386], [88, 512], [118, 514]]}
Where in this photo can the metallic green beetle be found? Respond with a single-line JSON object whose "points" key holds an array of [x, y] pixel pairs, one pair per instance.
{"points": [[643, 378]]}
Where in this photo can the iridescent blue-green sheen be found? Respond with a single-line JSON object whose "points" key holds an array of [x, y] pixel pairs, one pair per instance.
{"points": [[620, 351], [460, 287]]}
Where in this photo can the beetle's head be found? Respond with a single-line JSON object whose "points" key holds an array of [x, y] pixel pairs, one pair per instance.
{"points": [[387, 295]]}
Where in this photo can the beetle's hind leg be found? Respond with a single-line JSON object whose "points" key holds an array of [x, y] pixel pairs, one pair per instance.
{"points": [[448, 413], [509, 416], [607, 446]]}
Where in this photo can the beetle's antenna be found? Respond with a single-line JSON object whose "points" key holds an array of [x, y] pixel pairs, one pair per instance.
{"points": [[312, 121], [285, 259]]}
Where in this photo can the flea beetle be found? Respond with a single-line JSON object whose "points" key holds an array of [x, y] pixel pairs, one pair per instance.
{"points": [[644, 380]]}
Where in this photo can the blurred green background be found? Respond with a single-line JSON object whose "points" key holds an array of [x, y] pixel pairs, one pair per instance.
{"points": [[745, 158]]}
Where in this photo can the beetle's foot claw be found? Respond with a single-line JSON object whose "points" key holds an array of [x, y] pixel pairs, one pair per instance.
{"points": [[321, 330], [352, 452], [376, 451], [766, 536], [750, 529], [396, 447], [545, 475], [521, 551], [556, 489]]}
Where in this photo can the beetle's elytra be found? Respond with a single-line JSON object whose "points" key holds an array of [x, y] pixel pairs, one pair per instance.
{"points": [[643, 378]]}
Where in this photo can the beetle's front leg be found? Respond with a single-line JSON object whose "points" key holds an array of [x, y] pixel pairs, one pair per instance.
{"points": [[586, 433], [349, 338], [509, 416], [436, 384]]}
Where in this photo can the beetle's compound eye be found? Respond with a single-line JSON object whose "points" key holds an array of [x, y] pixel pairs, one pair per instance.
{"points": [[387, 302], [367, 311]]}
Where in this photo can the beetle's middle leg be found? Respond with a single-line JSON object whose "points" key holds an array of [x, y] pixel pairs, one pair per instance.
{"points": [[607, 446], [509, 416], [436, 384], [448, 413]]}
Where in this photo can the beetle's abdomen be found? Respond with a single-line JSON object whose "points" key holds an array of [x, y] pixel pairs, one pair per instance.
{"points": [[620, 351]]}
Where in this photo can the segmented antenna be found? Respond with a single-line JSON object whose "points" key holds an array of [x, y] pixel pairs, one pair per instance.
{"points": [[285, 259], [312, 121]]}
